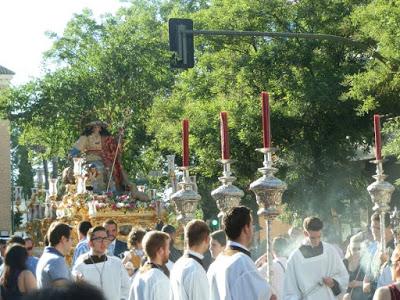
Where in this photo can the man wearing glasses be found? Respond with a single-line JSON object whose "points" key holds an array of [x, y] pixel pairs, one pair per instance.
{"points": [[103, 271]]}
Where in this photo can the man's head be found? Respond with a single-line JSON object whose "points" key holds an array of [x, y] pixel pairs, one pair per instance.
{"points": [[171, 231], [217, 243], [29, 245], [197, 233], [376, 226], [279, 246], [83, 228], [238, 225], [312, 227], [295, 233], [98, 240], [156, 246], [111, 228], [59, 236], [16, 239], [395, 259], [3, 246], [135, 238], [72, 290]]}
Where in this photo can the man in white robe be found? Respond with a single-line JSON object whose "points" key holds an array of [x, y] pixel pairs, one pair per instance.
{"points": [[279, 247], [188, 276], [315, 270], [103, 271], [152, 282], [233, 275]]}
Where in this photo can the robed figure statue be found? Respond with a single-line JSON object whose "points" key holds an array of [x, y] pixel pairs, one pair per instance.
{"points": [[102, 152]]}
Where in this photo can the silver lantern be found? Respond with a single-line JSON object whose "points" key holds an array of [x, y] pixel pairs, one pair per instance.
{"points": [[381, 192], [185, 199], [227, 195], [268, 190]]}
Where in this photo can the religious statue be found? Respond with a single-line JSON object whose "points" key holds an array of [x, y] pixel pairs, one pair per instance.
{"points": [[102, 152]]}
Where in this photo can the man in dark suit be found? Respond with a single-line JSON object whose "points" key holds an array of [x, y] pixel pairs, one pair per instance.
{"points": [[174, 253], [116, 247]]}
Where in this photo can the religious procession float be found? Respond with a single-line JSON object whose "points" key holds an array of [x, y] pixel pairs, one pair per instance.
{"points": [[94, 188]]}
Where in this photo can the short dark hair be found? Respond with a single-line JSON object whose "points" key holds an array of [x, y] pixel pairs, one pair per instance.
{"points": [[135, 236], [312, 224], [279, 245], [196, 231], [57, 230], [71, 291], [109, 222], [219, 236], [153, 241], [168, 229], [235, 220], [84, 227], [377, 218], [93, 230], [15, 239]]}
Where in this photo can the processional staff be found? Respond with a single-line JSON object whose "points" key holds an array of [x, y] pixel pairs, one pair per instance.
{"points": [[380, 191]]}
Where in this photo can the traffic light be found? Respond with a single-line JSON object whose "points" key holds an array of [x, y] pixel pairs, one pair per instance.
{"points": [[181, 43], [214, 224]]}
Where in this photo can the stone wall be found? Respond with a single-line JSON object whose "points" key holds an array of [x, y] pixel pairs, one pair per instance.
{"points": [[5, 176]]}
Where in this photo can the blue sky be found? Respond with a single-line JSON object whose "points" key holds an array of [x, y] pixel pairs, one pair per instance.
{"points": [[23, 24]]}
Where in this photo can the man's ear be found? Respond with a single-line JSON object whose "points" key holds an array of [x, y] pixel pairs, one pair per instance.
{"points": [[247, 228]]}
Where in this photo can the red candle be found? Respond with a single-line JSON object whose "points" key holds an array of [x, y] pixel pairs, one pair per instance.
{"points": [[224, 135], [185, 143], [378, 142], [265, 120]]}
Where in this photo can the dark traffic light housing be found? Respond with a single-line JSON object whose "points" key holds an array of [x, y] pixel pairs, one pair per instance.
{"points": [[181, 43]]}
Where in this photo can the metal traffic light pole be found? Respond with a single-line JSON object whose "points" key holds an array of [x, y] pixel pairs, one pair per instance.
{"points": [[181, 36]]}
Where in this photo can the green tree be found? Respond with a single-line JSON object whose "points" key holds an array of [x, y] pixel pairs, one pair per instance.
{"points": [[315, 131]]}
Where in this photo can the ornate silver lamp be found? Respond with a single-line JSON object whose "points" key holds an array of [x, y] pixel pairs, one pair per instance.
{"points": [[268, 190], [395, 222], [227, 195], [381, 192], [185, 199]]}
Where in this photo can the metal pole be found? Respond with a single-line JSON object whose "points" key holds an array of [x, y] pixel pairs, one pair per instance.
{"points": [[309, 36], [382, 231], [268, 225]]}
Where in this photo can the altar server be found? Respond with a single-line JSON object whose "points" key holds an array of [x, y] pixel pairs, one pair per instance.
{"points": [[152, 282], [233, 275], [315, 270], [188, 276], [103, 271]]}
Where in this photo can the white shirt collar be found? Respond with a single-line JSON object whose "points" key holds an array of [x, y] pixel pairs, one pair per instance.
{"points": [[232, 243], [195, 254]]}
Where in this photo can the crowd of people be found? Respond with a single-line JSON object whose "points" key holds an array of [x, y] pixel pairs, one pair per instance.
{"points": [[213, 265]]}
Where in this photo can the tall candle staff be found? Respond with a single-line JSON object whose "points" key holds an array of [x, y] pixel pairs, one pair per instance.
{"points": [[227, 195], [185, 199], [380, 191], [268, 189]]}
